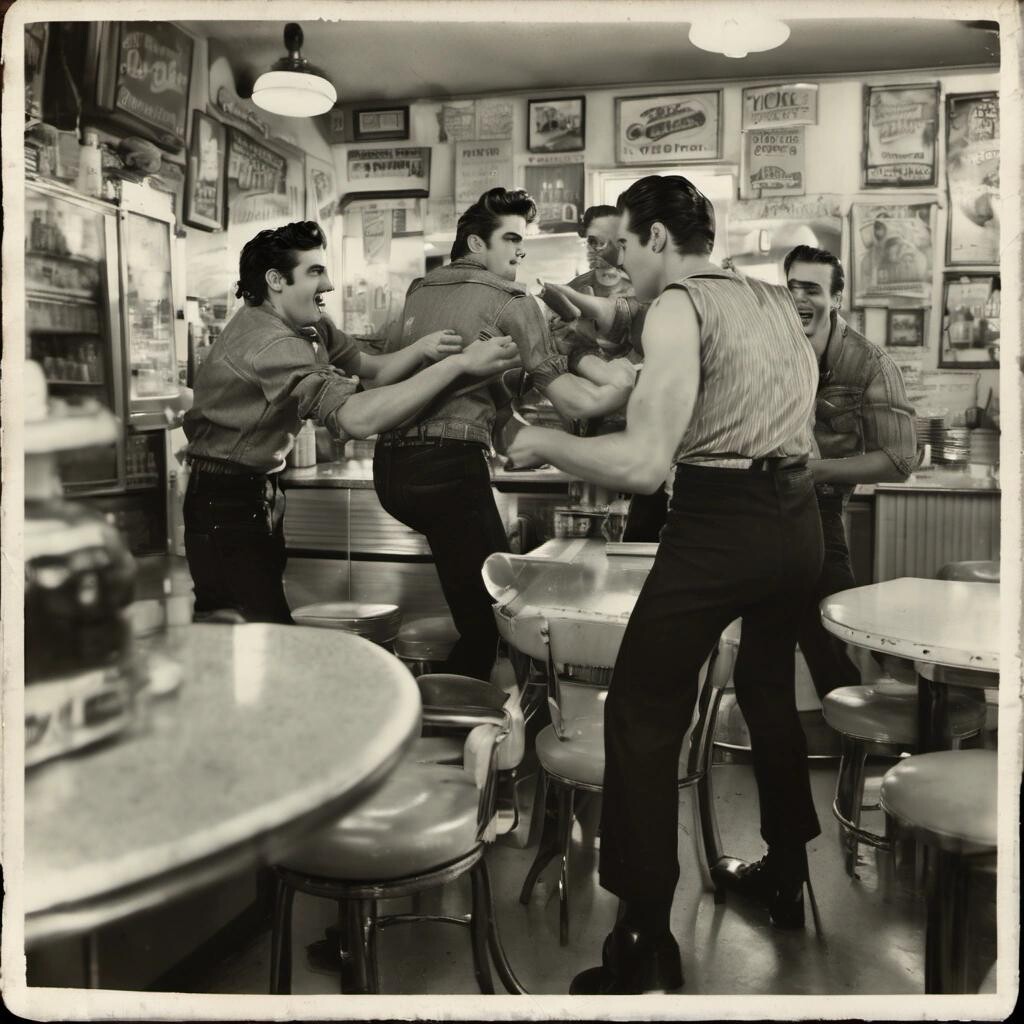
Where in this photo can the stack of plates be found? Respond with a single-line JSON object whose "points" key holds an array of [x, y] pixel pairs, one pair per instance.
{"points": [[931, 430], [376, 622], [984, 447], [956, 447]]}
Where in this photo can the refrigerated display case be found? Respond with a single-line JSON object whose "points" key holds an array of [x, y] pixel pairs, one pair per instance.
{"points": [[72, 317], [102, 321]]}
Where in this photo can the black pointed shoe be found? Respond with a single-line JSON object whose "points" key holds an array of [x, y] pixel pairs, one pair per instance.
{"points": [[633, 963], [758, 883]]}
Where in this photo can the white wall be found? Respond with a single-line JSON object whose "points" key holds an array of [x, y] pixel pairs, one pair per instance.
{"points": [[833, 155]]}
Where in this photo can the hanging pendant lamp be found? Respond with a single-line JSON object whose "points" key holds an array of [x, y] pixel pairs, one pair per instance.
{"points": [[294, 87], [736, 36]]}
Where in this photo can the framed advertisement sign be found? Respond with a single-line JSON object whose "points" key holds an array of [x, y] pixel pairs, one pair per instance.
{"points": [[380, 169], [780, 106], [669, 128], [151, 75], [204, 184], [321, 190], [972, 172], [904, 328], [892, 253], [900, 128], [970, 322], [257, 181], [773, 163], [556, 125], [480, 166], [381, 124]]}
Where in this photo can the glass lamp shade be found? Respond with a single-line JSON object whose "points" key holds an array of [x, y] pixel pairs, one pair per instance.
{"points": [[736, 37], [294, 93]]}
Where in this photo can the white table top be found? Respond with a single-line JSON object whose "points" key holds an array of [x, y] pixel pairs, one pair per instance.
{"points": [[941, 622], [274, 731]]}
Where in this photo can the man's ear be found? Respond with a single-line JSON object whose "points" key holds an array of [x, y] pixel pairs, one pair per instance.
{"points": [[476, 243], [659, 236], [274, 279]]}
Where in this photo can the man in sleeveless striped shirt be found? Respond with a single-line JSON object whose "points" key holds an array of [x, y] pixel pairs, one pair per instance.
{"points": [[727, 398]]}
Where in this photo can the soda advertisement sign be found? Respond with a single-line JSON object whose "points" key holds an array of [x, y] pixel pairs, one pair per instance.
{"points": [[773, 163], [780, 106], [669, 129], [900, 126]]}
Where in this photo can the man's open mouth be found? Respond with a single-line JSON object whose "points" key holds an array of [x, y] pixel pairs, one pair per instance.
{"points": [[319, 300], [806, 315]]}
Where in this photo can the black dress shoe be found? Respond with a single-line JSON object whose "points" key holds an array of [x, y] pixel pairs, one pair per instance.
{"points": [[633, 963], [759, 884]]}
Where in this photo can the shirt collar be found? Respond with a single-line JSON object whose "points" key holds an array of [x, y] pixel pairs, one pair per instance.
{"points": [[834, 345]]}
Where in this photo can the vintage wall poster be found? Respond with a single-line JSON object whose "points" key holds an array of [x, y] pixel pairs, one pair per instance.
{"points": [[900, 127], [321, 191], [376, 235], [668, 128], [780, 106], [905, 328], [972, 171], [480, 166], [971, 306], [257, 181], [773, 163], [892, 253], [383, 168], [494, 119], [457, 121]]}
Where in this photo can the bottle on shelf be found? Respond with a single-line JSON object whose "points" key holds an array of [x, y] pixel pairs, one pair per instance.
{"points": [[90, 166]]}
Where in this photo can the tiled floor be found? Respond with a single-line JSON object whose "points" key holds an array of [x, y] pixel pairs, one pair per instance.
{"points": [[872, 940]]}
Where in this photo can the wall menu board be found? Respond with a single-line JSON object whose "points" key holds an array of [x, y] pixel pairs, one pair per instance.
{"points": [[154, 68], [900, 128], [257, 181]]}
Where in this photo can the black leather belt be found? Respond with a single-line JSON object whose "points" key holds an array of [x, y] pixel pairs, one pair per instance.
{"points": [[222, 467], [427, 442], [776, 463]]}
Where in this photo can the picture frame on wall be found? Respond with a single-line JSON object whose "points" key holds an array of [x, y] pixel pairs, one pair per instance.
{"points": [[556, 125], [205, 175], [904, 328], [668, 128], [970, 321], [380, 124], [972, 173], [901, 126], [558, 190]]}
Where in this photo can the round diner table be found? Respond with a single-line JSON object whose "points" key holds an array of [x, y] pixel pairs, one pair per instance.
{"points": [[272, 732], [948, 628]]}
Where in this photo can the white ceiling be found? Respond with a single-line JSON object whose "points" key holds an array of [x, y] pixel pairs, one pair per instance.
{"points": [[405, 60]]}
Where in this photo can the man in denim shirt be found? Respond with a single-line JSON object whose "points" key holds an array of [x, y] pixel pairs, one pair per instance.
{"points": [[432, 474], [274, 366], [864, 429]]}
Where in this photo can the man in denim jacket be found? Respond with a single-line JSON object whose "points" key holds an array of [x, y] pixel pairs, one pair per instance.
{"points": [[864, 429], [432, 472]]}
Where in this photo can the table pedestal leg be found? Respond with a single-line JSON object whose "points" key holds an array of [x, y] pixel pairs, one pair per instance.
{"points": [[932, 712]]}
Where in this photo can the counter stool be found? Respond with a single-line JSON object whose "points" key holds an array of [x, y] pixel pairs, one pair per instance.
{"points": [[425, 643], [880, 719], [971, 572], [581, 653], [947, 801], [376, 622], [427, 825]]}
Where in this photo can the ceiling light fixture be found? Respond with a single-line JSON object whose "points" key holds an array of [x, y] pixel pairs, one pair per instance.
{"points": [[737, 36], [294, 87]]}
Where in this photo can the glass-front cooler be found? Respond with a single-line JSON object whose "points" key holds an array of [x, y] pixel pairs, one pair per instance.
{"points": [[72, 319], [149, 321]]}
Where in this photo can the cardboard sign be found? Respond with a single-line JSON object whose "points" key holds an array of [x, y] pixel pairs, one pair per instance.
{"points": [[780, 106], [773, 163]]}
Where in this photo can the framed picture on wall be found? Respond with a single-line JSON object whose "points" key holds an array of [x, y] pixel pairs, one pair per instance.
{"points": [[381, 124], [321, 190], [558, 192], [204, 182], [970, 322], [901, 123], [556, 125], [905, 328], [972, 172], [668, 128]]}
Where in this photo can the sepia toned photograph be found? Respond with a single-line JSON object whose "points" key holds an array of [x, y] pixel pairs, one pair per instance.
{"points": [[507, 511]]}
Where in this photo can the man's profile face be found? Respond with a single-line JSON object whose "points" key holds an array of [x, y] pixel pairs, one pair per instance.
{"points": [[301, 302], [602, 247], [503, 251], [810, 284], [639, 262]]}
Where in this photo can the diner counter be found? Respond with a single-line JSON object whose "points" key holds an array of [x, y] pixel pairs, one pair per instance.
{"points": [[357, 474]]}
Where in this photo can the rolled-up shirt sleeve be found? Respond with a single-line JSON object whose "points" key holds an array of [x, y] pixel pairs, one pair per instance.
{"points": [[888, 418], [522, 319], [286, 368]]}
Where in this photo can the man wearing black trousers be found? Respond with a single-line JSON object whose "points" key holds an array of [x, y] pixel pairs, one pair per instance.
{"points": [[727, 397]]}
